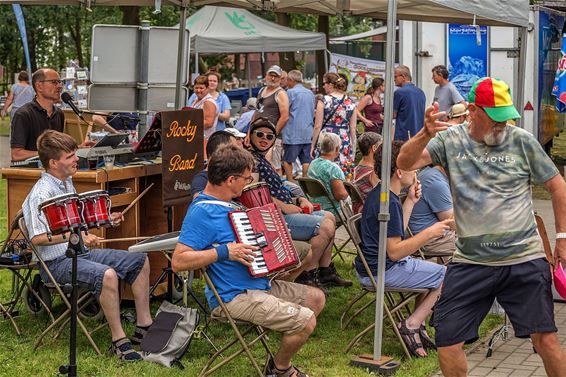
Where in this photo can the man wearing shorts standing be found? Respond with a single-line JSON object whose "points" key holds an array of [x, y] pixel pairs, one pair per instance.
{"points": [[207, 240], [499, 253]]}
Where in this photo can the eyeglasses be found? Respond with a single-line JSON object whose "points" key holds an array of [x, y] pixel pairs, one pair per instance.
{"points": [[54, 81], [261, 135], [249, 179]]}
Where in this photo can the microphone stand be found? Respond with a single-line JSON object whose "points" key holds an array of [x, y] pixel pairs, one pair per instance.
{"points": [[75, 247]]}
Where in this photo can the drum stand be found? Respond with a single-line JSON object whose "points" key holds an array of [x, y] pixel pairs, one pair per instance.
{"points": [[75, 248]]}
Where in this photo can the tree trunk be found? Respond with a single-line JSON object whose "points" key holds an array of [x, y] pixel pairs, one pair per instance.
{"points": [[78, 45], [323, 27], [130, 15], [286, 59], [60, 45]]}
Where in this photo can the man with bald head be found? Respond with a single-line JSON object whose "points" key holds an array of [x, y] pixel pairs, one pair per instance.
{"points": [[408, 105], [38, 115]]}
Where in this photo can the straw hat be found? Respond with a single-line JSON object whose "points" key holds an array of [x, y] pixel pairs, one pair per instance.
{"points": [[458, 110]]}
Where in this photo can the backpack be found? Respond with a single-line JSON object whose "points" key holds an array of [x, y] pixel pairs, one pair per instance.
{"points": [[168, 338]]}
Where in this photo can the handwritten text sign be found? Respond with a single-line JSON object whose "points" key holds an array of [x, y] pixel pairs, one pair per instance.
{"points": [[183, 153]]}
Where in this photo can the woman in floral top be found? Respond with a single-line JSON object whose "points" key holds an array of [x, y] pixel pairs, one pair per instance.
{"points": [[336, 113]]}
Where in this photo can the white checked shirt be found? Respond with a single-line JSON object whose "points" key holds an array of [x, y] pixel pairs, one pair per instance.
{"points": [[44, 189]]}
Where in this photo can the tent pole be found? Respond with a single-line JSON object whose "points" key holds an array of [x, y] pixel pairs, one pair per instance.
{"points": [[249, 70], [181, 61], [385, 180], [142, 84]]}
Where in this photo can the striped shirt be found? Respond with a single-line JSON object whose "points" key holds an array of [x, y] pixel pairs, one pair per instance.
{"points": [[44, 189]]}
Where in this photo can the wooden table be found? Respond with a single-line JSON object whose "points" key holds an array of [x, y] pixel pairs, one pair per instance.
{"points": [[146, 218]]}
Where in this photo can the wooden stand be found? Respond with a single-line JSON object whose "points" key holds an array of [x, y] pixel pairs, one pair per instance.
{"points": [[385, 366], [146, 218]]}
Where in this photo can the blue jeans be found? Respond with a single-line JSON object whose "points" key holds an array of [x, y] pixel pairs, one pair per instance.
{"points": [[303, 226]]}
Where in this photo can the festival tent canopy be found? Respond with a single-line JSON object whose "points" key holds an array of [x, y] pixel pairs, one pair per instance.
{"points": [[501, 12], [230, 30]]}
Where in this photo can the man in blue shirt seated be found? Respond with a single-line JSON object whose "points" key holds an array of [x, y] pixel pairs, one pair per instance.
{"points": [[435, 205], [207, 240], [401, 270]]}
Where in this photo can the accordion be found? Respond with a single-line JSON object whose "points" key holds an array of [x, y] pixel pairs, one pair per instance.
{"points": [[265, 227]]}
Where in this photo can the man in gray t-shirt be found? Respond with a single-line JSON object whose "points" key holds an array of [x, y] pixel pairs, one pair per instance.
{"points": [[445, 92], [499, 253]]}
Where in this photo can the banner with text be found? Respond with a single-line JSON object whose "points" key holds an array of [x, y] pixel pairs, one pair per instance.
{"points": [[358, 71], [182, 140]]}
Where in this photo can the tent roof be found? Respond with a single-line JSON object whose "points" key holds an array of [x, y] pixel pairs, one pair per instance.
{"points": [[90, 2], [224, 30], [488, 12]]}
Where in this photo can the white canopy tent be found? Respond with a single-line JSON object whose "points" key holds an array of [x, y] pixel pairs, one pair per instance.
{"points": [[231, 30]]}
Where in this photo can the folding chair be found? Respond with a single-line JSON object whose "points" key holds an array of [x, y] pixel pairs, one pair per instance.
{"points": [[83, 300], [21, 271], [261, 336], [441, 257], [313, 188], [395, 299], [354, 193]]}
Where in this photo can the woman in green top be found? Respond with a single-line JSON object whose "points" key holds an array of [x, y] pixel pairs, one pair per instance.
{"points": [[328, 172]]}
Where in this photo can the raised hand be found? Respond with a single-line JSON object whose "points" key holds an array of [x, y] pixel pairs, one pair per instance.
{"points": [[432, 123], [242, 253], [415, 191]]}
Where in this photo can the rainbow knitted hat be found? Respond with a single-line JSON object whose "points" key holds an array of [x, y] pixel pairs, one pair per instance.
{"points": [[494, 96]]}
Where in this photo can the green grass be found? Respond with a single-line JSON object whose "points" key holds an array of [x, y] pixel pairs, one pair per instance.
{"points": [[322, 356], [5, 126]]}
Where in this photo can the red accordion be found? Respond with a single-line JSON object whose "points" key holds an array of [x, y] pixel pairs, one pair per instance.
{"points": [[266, 228]]}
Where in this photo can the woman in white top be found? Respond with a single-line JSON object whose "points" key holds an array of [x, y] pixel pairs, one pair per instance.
{"points": [[205, 102]]}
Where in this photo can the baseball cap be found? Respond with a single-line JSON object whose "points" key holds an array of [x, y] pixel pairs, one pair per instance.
{"points": [[494, 96], [234, 132], [262, 122], [458, 110], [275, 69]]}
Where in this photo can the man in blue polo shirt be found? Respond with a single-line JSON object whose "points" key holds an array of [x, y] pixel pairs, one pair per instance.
{"points": [[408, 105]]}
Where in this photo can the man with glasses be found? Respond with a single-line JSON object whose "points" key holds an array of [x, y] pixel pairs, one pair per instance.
{"points": [[318, 228], [408, 105], [38, 115], [207, 240], [499, 252]]}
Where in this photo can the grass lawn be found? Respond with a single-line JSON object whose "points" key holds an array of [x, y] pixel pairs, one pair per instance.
{"points": [[5, 126], [322, 356]]}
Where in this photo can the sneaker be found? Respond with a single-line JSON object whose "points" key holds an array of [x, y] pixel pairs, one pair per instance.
{"points": [[123, 349], [329, 276]]}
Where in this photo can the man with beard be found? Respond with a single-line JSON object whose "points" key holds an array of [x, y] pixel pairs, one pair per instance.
{"points": [[499, 253]]}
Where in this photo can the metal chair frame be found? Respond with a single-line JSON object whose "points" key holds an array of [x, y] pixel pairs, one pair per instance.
{"points": [[313, 188], [245, 346], [392, 306], [63, 318]]}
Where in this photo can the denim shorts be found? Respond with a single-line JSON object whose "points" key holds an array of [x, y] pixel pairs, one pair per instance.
{"points": [[92, 265], [411, 273], [292, 151], [523, 290], [303, 226]]}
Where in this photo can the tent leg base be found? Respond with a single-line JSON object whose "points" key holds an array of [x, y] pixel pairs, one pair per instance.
{"points": [[385, 366]]}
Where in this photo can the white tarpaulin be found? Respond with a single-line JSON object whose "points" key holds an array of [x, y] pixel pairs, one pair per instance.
{"points": [[359, 72], [231, 30], [488, 12]]}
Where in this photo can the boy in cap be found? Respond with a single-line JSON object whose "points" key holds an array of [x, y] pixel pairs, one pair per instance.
{"points": [[499, 253]]}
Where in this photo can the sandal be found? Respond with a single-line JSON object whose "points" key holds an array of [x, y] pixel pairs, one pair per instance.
{"points": [[123, 349], [428, 343], [410, 340], [139, 333], [273, 371]]}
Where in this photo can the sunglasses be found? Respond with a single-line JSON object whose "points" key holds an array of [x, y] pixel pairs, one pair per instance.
{"points": [[261, 135], [54, 81]]}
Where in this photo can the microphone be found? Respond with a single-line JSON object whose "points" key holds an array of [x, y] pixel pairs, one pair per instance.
{"points": [[66, 97]]}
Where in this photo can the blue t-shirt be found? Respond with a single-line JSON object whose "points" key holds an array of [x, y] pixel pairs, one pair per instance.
{"points": [[206, 224], [435, 198], [199, 182], [369, 229], [409, 104]]}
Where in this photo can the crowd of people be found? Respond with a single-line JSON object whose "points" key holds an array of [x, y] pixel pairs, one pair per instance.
{"points": [[460, 186]]}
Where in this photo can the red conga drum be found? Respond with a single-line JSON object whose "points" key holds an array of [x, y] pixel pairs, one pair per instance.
{"points": [[62, 213], [256, 195]]}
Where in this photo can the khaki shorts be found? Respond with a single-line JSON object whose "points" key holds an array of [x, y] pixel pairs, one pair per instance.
{"points": [[277, 154], [279, 309], [445, 245]]}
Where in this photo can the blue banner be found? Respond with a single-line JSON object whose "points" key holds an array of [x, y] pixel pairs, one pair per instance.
{"points": [[22, 26], [467, 61], [559, 87]]}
